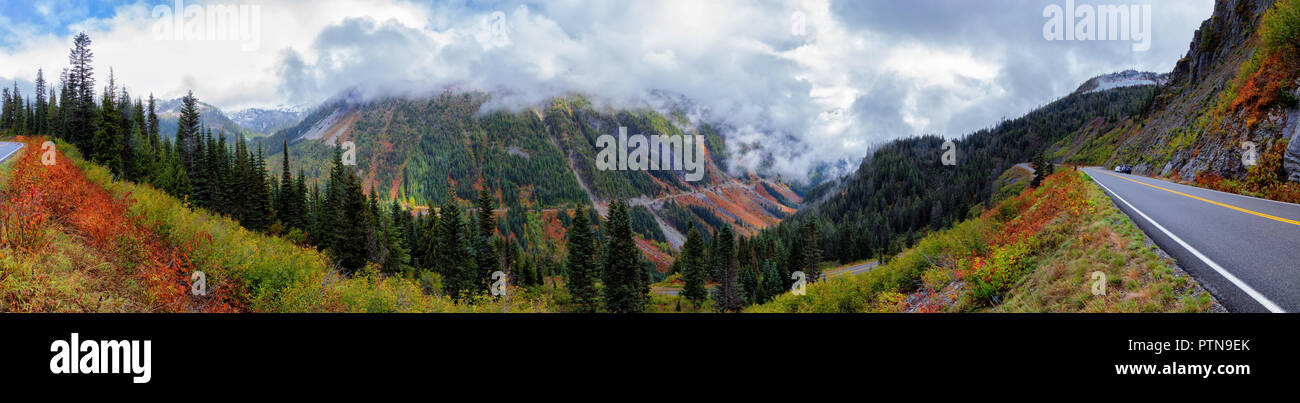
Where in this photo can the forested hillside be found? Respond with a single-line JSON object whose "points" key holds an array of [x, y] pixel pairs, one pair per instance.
{"points": [[538, 164], [903, 190]]}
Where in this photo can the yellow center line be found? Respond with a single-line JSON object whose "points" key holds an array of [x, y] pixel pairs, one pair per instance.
{"points": [[1271, 217]]}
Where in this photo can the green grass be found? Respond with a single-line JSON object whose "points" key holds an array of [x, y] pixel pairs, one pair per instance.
{"points": [[1048, 269], [269, 274]]}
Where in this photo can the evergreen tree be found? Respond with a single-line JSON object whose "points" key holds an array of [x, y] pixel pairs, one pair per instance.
{"points": [[81, 96], [455, 257], [694, 268], [426, 251], [582, 263], [484, 252], [773, 281], [626, 287], [1042, 169], [41, 108], [287, 209], [106, 148], [351, 224], [747, 286], [152, 124], [188, 136], [812, 238], [257, 211], [724, 253], [330, 199]]}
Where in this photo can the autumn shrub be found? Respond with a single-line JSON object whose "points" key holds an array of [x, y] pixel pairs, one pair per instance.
{"points": [[1268, 76], [1004, 268], [22, 220], [264, 273]]}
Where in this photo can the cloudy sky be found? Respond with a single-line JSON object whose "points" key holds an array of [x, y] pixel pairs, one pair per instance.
{"points": [[805, 81]]}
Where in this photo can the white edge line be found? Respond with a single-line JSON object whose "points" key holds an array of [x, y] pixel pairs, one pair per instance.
{"points": [[1260, 298], [11, 153]]}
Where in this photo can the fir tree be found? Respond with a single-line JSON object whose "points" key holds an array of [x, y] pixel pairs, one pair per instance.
{"points": [[582, 263], [484, 253], [694, 268], [41, 108], [623, 274], [724, 252], [81, 97], [455, 258]]}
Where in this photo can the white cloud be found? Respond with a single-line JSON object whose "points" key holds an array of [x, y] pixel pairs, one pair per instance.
{"points": [[860, 73]]}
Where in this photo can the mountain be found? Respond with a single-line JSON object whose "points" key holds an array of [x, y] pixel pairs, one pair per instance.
{"points": [[267, 121], [903, 190], [209, 116], [1236, 87], [1126, 78], [540, 161]]}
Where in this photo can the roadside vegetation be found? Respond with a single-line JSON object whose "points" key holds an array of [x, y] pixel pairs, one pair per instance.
{"points": [[121, 246], [1035, 252]]}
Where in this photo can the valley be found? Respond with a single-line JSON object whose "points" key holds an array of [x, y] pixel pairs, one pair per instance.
{"points": [[414, 202]]}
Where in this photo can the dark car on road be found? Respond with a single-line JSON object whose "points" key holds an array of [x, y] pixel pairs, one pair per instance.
{"points": [[1124, 169]]}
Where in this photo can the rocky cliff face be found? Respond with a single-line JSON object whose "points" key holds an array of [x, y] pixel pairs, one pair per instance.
{"points": [[1186, 132]]}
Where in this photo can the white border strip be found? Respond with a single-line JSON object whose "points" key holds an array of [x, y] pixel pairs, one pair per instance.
{"points": [[20, 146], [1260, 298]]}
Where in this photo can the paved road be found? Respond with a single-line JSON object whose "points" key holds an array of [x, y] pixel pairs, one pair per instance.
{"points": [[855, 269], [1245, 250], [8, 149], [850, 270]]}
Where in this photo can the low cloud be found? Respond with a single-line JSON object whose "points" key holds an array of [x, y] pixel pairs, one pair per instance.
{"points": [[797, 84]]}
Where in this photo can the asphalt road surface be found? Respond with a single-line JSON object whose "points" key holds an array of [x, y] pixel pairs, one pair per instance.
{"points": [[8, 149], [1245, 250]]}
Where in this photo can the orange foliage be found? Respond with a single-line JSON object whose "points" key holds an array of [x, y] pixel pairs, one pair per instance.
{"points": [[63, 193], [1263, 88], [1062, 195]]}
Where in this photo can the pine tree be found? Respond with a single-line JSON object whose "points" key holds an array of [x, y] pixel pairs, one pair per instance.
{"points": [[694, 268], [582, 263], [106, 147], [41, 108], [747, 285], [773, 281], [724, 253], [396, 256], [81, 96], [484, 253], [286, 207], [1042, 169], [330, 199], [188, 136], [351, 224], [812, 238], [623, 274], [152, 124], [455, 258], [257, 211], [426, 251]]}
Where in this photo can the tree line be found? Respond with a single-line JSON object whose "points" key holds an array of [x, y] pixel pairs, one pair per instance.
{"points": [[452, 250]]}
